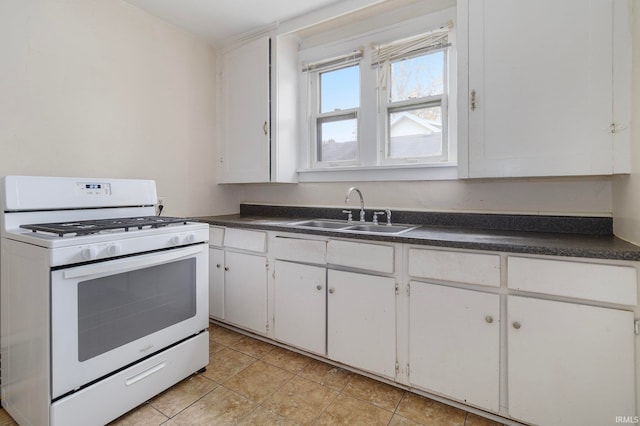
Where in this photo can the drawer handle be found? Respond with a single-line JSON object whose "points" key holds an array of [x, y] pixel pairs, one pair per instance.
{"points": [[488, 319], [146, 373], [516, 325]]}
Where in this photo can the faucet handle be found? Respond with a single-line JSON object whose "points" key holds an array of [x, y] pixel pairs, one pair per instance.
{"points": [[388, 213], [375, 217], [350, 218]]}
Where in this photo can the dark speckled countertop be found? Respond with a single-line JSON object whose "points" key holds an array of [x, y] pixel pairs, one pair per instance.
{"points": [[587, 237]]}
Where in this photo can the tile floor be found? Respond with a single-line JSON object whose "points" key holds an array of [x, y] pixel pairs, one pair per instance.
{"points": [[250, 382]]}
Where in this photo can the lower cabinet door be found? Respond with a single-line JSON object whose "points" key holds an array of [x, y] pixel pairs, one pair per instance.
{"points": [[569, 364], [454, 343], [245, 291], [300, 303], [361, 321], [216, 283]]}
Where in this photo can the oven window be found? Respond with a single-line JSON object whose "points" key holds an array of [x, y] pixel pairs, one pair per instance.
{"points": [[121, 308]]}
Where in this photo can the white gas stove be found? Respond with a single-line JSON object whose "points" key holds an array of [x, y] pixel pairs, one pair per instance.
{"points": [[101, 299]]}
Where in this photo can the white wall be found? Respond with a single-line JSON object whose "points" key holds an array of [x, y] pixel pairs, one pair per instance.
{"points": [[626, 189], [572, 196], [99, 88], [542, 196]]}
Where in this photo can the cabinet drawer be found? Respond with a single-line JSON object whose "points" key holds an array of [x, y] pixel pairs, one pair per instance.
{"points": [[590, 281], [245, 240], [299, 250], [471, 268], [216, 236], [373, 257]]}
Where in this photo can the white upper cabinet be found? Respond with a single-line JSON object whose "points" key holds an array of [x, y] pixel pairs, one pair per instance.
{"points": [[257, 114], [544, 87], [244, 155]]}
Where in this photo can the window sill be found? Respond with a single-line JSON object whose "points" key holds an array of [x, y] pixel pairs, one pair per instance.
{"points": [[444, 171]]}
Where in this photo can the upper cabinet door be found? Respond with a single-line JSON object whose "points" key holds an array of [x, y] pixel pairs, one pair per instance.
{"points": [[537, 97], [244, 110]]}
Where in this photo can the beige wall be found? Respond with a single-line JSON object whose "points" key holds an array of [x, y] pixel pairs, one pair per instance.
{"points": [[626, 189], [99, 88]]}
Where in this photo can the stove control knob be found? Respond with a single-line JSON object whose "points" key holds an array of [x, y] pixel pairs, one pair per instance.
{"points": [[175, 240], [89, 253], [190, 238], [113, 250]]}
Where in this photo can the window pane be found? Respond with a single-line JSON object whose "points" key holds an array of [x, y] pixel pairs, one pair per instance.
{"points": [[415, 133], [417, 77], [339, 140], [340, 89]]}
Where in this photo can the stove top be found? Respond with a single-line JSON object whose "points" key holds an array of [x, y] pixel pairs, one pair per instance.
{"points": [[86, 227]]}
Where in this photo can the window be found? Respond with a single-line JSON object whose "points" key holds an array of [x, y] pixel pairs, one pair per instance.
{"points": [[414, 93], [381, 101], [337, 119]]}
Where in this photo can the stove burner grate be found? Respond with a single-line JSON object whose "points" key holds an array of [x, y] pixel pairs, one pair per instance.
{"points": [[85, 227]]}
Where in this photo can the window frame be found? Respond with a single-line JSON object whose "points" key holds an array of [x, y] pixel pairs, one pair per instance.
{"points": [[316, 116], [387, 106], [372, 164]]}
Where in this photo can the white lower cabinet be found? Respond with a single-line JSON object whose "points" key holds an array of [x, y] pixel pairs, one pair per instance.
{"points": [[454, 338], [300, 303], [245, 291], [536, 360], [569, 364], [216, 283], [361, 321]]}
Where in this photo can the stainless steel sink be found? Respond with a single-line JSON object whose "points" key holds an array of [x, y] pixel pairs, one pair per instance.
{"points": [[338, 225], [380, 229], [322, 224]]}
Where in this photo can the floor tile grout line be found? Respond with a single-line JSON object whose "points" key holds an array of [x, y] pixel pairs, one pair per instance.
{"points": [[338, 393], [207, 393]]}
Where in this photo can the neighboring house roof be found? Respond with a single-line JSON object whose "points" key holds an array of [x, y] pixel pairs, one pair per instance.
{"points": [[408, 124]]}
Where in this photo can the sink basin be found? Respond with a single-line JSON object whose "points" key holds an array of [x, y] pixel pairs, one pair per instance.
{"points": [[339, 225], [380, 229], [322, 223]]}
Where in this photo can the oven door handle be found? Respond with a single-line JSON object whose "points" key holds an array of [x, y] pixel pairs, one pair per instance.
{"points": [[132, 263]]}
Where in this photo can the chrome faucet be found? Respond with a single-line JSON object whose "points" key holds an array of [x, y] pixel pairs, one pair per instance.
{"points": [[346, 201]]}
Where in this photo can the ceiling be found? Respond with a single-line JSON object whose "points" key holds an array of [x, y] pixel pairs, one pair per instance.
{"points": [[220, 20]]}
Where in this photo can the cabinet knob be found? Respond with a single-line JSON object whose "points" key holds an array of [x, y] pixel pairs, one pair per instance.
{"points": [[226, 268], [265, 128], [319, 287], [516, 325], [488, 319], [331, 290], [218, 265]]}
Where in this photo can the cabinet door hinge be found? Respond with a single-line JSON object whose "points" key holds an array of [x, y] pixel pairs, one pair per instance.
{"points": [[408, 370], [397, 367], [636, 327], [408, 289], [397, 289], [267, 326]]}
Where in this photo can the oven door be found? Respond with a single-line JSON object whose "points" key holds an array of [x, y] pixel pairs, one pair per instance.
{"points": [[107, 315]]}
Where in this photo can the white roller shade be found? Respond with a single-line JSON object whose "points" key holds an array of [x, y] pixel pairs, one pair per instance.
{"points": [[413, 46], [350, 58]]}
